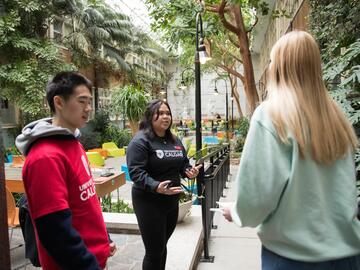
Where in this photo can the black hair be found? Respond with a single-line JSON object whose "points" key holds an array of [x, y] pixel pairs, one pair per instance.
{"points": [[63, 84], [146, 123]]}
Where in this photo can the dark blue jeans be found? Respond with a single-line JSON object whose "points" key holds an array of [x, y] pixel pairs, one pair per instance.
{"points": [[272, 261]]}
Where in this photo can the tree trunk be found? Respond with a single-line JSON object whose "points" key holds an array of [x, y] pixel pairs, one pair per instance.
{"points": [[4, 233], [249, 85], [236, 96], [239, 30], [134, 126]]}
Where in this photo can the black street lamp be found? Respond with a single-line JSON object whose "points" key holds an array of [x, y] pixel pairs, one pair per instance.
{"points": [[183, 85], [163, 93], [226, 108], [200, 57]]}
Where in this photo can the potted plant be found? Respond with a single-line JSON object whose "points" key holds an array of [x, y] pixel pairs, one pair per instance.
{"points": [[17, 158], [131, 101], [7, 155], [186, 198]]}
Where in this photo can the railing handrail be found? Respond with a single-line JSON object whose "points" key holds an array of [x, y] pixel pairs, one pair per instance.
{"points": [[218, 167], [211, 182], [218, 148]]}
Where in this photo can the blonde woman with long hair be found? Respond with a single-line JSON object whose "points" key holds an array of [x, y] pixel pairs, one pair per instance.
{"points": [[297, 177]]}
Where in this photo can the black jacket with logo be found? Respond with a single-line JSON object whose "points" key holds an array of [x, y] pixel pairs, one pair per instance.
{"points": [[153, 161]]}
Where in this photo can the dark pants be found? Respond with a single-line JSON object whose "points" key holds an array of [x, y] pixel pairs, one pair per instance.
{"points": [[272, 261], [157, 216]]}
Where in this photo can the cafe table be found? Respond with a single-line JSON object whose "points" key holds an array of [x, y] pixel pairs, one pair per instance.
{"points": [[103, 185]]}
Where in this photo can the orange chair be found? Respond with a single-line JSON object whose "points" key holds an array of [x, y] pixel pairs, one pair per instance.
{"points": [[12, 211], [101, 151], [220, 135]]}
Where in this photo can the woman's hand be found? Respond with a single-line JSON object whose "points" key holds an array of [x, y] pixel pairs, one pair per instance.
{"points": [[113, 249], [226, 214], [163, 188], [193, 172]]}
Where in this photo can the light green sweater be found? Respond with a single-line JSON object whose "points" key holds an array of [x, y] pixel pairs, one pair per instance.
{"points": [[306, 211]]}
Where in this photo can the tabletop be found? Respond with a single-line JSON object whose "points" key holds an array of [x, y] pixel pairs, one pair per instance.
{"points": [[103, 185]]}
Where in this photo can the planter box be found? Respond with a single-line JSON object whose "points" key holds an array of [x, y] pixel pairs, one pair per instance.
{"points": [[18, 160], [234, 161], [184, 209], [9, 158]]}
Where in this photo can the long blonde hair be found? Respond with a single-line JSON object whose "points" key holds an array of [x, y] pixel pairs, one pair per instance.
{"points": [[298, 100]]}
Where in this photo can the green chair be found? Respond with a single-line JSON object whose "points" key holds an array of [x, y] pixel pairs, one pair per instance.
{"points": [[95, 159], [113, 150]]}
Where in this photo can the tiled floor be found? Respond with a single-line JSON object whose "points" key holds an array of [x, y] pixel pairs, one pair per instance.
{"points": [[128, 256]]}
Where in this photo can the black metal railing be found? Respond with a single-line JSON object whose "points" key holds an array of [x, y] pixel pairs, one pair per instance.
{"points": [[211, 182]]}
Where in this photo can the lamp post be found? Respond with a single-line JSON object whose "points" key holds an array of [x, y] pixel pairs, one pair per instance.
{"points": [[226, 108], [182, 83], [163, 93], [200, 57]]}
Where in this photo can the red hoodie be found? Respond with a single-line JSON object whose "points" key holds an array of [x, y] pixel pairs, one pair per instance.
{"points": [[56, 177]]}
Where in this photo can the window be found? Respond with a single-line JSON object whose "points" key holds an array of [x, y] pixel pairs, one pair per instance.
{"points": [[4, 104], [7, 113], [58, 30]]}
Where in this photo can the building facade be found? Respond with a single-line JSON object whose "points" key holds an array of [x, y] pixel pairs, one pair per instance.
{"points": [[270, 29]]}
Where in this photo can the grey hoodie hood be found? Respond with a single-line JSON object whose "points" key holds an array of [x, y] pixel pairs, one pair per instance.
{"points": [[40, 129]]}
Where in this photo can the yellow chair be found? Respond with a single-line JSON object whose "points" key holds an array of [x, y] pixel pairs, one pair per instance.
{"points": [[101, 151], [113, 150], [95, 159]]}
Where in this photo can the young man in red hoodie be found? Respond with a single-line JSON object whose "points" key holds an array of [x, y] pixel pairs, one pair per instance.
{"points": [[63, 205]]}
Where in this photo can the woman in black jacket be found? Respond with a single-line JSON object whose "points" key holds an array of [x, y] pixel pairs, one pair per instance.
{"points": [[156, 159]]}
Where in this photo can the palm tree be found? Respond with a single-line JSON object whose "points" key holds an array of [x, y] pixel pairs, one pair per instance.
{"points": [[98, 34], [143, 45]]}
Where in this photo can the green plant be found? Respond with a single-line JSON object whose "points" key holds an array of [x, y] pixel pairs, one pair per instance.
{"points": [[114, 134], [100, 121], [191, 125], [132, 101], [176, 22], [243, 127], [189, 189], [90, 140], [187, 145], [13, 150], [28, 57], [118, 207], [10, 151], [235, 154], [339, 41], [239, 145]]}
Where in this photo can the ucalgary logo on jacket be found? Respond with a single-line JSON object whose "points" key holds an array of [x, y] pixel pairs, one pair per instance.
{"points": [[87, 189], [160, 153], [168, 153]]}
